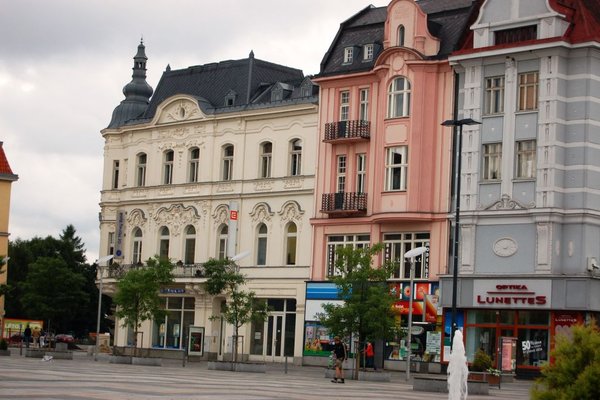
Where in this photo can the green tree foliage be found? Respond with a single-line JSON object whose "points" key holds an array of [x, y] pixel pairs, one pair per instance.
{"points": [[137, 296], [3, 288], [576, 368], [53, 292], [69, 249], [241, 307], [367, 308]]}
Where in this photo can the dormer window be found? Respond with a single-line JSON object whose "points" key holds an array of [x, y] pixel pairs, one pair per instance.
{"points": [[277, 93], [368, 52], [515, 35], [348, 55], [230, 98], [306, 90]]}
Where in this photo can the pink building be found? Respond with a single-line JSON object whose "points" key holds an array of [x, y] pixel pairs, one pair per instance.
{"points": [[384, 160]]}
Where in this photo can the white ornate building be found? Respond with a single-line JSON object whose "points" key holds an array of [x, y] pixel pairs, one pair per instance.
{"points": [[220, 160]]}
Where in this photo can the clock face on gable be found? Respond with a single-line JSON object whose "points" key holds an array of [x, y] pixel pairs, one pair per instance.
{"points": [[505, 247]]}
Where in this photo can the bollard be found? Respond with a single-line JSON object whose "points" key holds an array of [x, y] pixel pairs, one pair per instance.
{"points": [[286, 365]]}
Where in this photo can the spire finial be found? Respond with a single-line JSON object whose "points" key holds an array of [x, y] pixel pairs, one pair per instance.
{"points": [[142, 39], [251, 54]]}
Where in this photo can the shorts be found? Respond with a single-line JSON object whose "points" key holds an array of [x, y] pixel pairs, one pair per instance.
{"points": [[339, 362]]}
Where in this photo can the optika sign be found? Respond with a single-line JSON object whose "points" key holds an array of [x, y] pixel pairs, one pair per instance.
{"points": [[529, 295]]}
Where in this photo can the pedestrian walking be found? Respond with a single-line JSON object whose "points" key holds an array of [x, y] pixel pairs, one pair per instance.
{"points": [[36, 337], [27, 335], [339, 350], [369, 356]]}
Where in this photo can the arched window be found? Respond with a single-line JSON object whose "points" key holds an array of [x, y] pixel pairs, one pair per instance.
{"points": [[227, 171], [140, 178], [136, 254], [296, 157], [190, 245], [194, 164], [401, 32], [266, 153], [163, 245], [291, 233], [222, 244], [261, 245], [168, 158], [399, 98]]}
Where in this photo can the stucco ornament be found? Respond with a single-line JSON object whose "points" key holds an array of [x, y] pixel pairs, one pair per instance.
{"points": [[136, 218], [261, 213], [221, 214], [176, 217], [506, 203], [291, 211], [505, 247]]}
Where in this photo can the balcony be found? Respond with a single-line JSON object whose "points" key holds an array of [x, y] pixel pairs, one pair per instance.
{"points": [[347, 131], [344, 204]]}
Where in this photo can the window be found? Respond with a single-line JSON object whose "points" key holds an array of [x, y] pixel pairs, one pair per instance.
{"points": [[222, 245], [137, 246], [111, 245], [261, 245], [194, 166], [277, 93], [190, 245], [115, 177], [494, 95], [296, 157], [526, 167], [401, 34], [364, 104], [368, 52], [266, 152], [399, 98], [515, 35], [339, 241], [291, 235], [348, 55], [141, 169], [361, 172], [227, 163], [172, 330], [341, 174], [396, 165], [397, 244], [492, 159], [163, 245], [344, 105], [169, 156], [528, 91]]}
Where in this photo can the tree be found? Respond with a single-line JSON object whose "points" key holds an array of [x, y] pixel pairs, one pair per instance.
{"points": [[241, 307], [576, 368], [137, 296], [367, 309], [52, 292], [3, 287]]}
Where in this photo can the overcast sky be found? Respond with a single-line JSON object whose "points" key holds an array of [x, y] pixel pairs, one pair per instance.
{"points": [[63, 65]]}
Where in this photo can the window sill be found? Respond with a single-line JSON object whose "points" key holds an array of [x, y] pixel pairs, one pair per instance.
{"points": [[526, 112], [495, 115], [518, 180], [394, 191], [491, 182]]}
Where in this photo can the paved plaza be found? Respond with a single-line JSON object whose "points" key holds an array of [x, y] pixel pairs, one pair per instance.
{"points": [[82, 378]]}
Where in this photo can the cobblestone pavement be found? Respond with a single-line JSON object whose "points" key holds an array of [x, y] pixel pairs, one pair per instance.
{"points": [[82, 378]]}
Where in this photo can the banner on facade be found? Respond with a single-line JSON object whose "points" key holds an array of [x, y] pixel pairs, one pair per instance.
{"points": [[120, 228]]}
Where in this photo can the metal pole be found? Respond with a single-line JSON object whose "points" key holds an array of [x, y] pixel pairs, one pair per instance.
{"points": [[99, 312], [456, 230], [410, 313]]}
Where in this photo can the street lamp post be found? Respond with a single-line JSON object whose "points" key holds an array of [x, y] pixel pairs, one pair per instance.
{"points": [[458, 140], [100, 261], [410, 258]]}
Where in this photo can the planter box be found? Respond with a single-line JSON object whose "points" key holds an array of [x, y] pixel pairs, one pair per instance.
{"points": [[120, 359], [4, 352], [34, 353], [491, 379], [153, 362], [435, 384], [60, 355], [237, 367]]}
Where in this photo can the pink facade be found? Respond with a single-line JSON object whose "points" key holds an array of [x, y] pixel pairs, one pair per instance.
{"points": [[388, 179]]}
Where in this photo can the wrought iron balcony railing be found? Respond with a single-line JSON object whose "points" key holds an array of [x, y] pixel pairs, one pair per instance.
{"points": [[347, 131], [344, 203]]}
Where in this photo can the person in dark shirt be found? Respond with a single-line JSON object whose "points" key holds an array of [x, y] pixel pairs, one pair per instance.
{"points": [[27, 335], [339, 350]]}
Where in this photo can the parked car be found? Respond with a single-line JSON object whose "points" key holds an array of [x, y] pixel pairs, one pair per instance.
{"points": [[64, 338]]}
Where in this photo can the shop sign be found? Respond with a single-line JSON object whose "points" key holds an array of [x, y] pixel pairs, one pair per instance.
{"points": [[532, 346], [172, 290], [525, 293]]}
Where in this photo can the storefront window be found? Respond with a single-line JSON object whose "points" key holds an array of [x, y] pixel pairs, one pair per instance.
{"points": [[533, 347], [172, 331], [534, 318], [481, 339], [481, 317]]}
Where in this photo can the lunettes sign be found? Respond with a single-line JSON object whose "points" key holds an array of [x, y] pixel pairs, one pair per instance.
{"points": [[524, 293]]}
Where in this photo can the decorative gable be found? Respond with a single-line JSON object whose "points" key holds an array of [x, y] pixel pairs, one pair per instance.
{"points": [[406, 26], [510, 21], [177, 109]]}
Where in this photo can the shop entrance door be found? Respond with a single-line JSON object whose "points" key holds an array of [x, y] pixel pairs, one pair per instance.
{"points": [[274, 344]]}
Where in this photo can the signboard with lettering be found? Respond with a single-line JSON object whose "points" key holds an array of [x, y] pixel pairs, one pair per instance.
{"points": [[517, 293], [119, 234]]}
